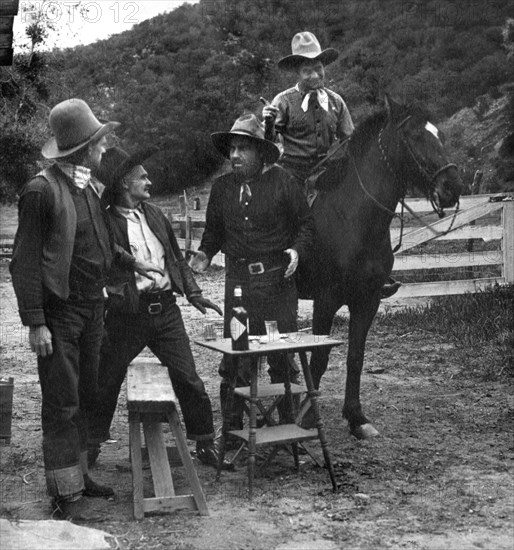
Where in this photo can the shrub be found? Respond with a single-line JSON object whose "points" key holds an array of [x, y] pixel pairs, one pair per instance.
{"points": [[483, 321], [19, 152]]}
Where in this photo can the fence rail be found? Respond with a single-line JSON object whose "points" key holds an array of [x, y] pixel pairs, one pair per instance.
{"points": [[481, 218]]}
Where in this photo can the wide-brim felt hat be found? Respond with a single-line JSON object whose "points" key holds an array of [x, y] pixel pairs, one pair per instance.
{"points": [[117, 163], [306, 47], [73, 126], [250, 127]]}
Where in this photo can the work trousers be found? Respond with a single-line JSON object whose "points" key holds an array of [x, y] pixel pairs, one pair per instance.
{"points": [[164, 333], [266, 297], [68, 379]]}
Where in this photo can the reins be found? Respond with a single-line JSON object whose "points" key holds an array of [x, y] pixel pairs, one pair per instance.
{"points": [[439, 211]]}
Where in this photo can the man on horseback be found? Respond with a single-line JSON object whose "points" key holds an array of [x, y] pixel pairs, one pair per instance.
{"points": [[308, 117], [312, 123]]}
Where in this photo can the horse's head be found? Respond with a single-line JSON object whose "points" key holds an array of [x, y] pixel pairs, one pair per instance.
{"points": [[424, 161]]}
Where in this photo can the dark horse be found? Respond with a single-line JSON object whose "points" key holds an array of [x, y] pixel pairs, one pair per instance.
{"points": [[389, 152]]}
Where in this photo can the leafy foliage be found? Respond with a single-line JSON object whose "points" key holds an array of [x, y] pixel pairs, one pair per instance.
{"points": [[176, 78]]}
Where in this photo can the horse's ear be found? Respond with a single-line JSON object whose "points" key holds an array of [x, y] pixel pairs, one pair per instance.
{"points": [[392, 107]]}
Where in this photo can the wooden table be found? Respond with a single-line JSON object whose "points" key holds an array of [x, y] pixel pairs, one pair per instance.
{"points": [[300, 343]]}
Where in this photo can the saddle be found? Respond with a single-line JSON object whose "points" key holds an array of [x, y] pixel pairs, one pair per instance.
{"points": [[337, 152]]}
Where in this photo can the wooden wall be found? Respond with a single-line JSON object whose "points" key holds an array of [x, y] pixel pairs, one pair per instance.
{"points": [[8, 9]]}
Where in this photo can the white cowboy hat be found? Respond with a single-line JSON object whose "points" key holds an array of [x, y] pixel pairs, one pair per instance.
{"points": [[305, 47], [73, 125]]}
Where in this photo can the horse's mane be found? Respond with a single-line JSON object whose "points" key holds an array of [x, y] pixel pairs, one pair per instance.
{"points": [[372, 124], [366, 130]]}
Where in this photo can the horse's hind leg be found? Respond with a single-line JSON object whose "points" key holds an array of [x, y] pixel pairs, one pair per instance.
{"points": [[325, 307], [361, 317]]}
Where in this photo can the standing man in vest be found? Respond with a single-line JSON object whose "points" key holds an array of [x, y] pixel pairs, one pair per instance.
{"points": [[62, 252], [310, 119], [144, 313]]}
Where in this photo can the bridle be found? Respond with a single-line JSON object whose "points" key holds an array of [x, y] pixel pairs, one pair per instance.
{"points": [[423, 169]]}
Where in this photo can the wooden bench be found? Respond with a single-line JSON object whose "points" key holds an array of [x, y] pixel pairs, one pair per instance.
{"points": [[151, 401]]}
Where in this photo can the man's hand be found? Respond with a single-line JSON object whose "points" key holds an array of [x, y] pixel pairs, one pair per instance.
{"points": [[293, 263], [197, 261], [40, 339], [145, 268], [201, 303], [270, 111]]}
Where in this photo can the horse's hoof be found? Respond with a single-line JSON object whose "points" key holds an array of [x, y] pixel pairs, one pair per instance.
{"points": [[365, 431]]}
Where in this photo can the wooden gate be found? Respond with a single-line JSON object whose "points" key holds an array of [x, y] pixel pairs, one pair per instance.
{"points": [[480, 240], [430, 251]]}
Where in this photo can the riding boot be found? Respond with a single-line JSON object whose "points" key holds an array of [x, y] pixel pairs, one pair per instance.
{"points": [[235, 415], [390, 287]]}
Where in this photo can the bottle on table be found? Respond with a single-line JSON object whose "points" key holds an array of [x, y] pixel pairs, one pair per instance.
{"points": [[239, 322]]}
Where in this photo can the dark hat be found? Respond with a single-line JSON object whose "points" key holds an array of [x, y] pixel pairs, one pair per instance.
{"points": [[73, 125], [306, 47], [248, 126], [117, 163]]}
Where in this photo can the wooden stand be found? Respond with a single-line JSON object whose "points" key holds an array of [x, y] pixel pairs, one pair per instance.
{"points": [[277, 392], [289, 433], [150, 400]]}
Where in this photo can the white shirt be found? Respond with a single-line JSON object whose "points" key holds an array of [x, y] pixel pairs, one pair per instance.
{"points": [[145, 247]]}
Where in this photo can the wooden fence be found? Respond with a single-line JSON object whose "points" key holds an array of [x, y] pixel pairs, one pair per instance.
{"points": [[481, 239], [477, 253]]}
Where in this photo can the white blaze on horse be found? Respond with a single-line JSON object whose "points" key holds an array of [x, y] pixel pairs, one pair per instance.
{"points": [[390, 152]]}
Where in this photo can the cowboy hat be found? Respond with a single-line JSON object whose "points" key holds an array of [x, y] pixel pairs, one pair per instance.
{"points": [[305, 47], [250, 127], [73, 125], [117, 163]]}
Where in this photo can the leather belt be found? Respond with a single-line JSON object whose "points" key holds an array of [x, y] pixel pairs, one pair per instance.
{"points": [[302, 162], [153, 302], [257, 267]]}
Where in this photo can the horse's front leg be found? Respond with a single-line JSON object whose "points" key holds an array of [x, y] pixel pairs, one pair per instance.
{"points": [[361, 317], [325, 307]]}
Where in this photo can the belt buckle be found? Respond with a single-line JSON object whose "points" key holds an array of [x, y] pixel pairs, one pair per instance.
{"points": [[155, 309], [256, 268]]}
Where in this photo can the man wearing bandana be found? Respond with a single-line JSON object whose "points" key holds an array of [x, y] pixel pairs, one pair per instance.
{"points": [[310, 120], [309, 117], [258, 217]]}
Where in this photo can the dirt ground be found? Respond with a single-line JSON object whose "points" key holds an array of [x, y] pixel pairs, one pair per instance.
{"points": [[439, 476]]}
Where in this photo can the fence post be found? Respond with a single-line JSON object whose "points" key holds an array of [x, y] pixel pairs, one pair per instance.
{"points": [[182, 204], [188, 233], [508, 241]]}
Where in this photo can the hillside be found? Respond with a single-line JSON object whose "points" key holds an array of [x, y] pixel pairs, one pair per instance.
{"points": [[174, 79], [480, 138]]}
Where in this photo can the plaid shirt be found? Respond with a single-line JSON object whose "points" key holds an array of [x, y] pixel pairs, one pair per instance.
{"points": [[308, 135]]}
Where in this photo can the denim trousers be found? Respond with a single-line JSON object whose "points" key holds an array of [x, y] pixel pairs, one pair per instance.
{"points": [[266, 297], [68, 379], [164, 333]]}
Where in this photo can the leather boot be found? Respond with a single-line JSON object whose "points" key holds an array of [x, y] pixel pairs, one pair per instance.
{"points": [[390, 287], [93, 452], [207, 454], [76, 511], [93, 489]]}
